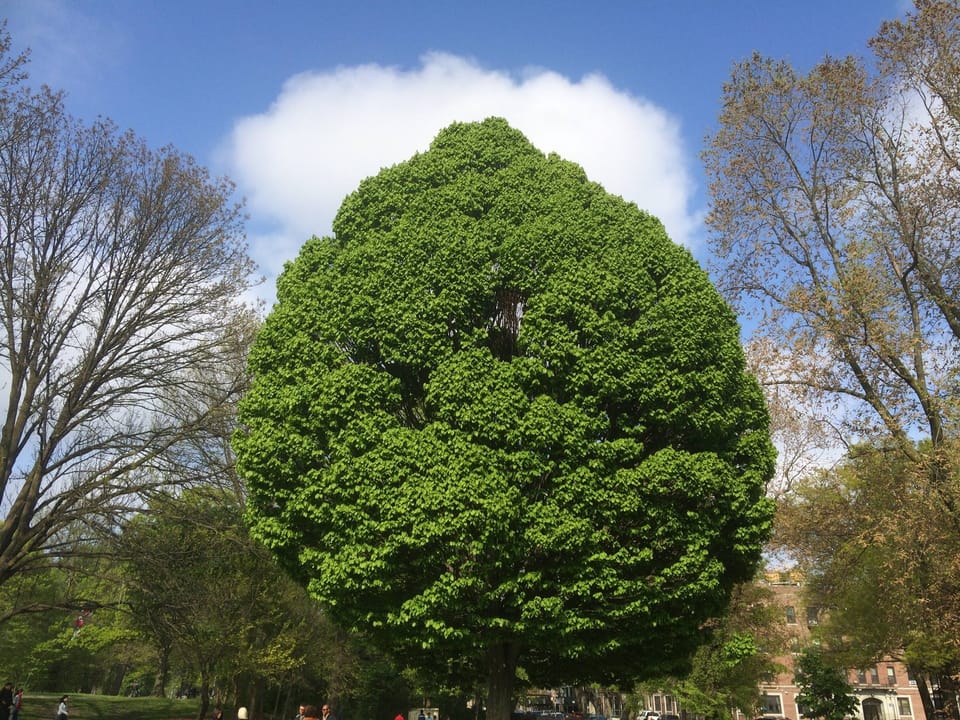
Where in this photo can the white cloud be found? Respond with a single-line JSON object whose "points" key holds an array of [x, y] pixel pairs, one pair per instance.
{"points": [[328, 130], [69, 47]]}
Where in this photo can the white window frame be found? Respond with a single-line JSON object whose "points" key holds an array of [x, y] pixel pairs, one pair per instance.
{"points": [[767, 710]]}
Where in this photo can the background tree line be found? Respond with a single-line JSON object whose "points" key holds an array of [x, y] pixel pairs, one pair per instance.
{"points": [[184, 602]]}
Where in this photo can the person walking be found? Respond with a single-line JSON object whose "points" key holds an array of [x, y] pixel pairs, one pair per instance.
{"points": [[62, 712], [17, 704]]}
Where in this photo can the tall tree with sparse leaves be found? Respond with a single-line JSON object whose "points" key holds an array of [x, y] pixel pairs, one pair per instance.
{"points": [[835, 203], [121, 272], [501, 420], [835, 199]]}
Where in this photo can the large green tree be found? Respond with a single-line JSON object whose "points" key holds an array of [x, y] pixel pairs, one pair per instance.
{"points": [[501, 419]]}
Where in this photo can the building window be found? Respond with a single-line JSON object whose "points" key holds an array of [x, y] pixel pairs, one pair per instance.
{"points": [[656, 704], [791, 615], [910, 678], [862, 677], [770, 704], [813, 615], [874, 676], [903, 706], [891, 675]]}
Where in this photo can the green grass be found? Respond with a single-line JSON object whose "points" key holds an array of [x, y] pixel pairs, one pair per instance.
{"points": [[43, 706]]}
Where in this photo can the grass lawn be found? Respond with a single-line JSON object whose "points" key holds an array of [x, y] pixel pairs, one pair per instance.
{"points": [[43, 706]]}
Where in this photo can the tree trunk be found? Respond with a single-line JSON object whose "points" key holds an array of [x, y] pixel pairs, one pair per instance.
{"points": [[114, 681], [926, 699], [584, 698], [256, 697], [502, 674], [204, 694], [285, 694], [163, 667]]}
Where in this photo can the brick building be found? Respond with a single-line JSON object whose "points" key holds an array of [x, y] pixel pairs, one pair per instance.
{"points": [[884, 691]]}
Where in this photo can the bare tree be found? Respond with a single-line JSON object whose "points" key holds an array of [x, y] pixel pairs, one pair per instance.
{"points": [[835, 208], [836, 221], [121, 274]]}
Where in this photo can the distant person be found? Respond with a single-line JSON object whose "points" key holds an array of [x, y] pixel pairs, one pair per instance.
{"points": [[242, 714], [217, 713], [422, 715], [17, 704], [62, 712], [6, 701], [325, 713], [310, 712], [399, 717], [300, 715]]}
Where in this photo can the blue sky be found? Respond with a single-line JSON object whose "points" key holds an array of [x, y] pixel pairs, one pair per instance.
{"points": [[297, 101]]}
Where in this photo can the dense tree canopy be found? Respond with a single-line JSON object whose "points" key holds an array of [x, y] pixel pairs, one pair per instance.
{"points": [[501, 419], [199, 588]]}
